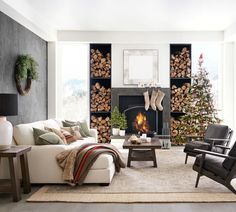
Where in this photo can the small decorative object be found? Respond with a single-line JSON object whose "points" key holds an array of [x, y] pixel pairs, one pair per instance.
{"points": [[146, 100], [115, 121], [165, 129], [123, 124], [159, 98], [149, 139], [134, 139], [166, 144], [144, 136], [8, 107], [25, 69], [153, 99]]}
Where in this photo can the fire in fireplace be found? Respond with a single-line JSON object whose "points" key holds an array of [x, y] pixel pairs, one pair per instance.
{"points": [[140, 124], [141, 121]]}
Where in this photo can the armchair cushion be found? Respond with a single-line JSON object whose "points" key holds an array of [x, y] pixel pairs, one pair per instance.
{"points": [[228, 163], [212, 164], [189, 147], [217, 131]]}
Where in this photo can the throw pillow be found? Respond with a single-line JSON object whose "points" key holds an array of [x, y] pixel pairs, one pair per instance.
{"points": [[73, 124], [44, 137], [228, 163], [37, 132], [83, 124], [49, 138], [85, 128], [57, 132], [70, 135]]}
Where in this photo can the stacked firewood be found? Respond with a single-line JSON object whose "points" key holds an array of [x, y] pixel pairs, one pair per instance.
{"points": [[180, 64], [178, 96], [174, 127], [100, 65], [100, 98], [103, 126]]}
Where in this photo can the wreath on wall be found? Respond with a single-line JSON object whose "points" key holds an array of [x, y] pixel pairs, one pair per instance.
{"points": [[25, 69]]}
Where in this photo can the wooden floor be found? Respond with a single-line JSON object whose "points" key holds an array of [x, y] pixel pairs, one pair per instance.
{"points": [[6, 205]]}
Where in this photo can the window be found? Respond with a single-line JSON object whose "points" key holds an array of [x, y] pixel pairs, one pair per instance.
{"points": [[73, 78], [212, 63]]}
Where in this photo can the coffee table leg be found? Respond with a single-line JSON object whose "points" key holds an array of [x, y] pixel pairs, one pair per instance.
{"points": [[15, 181], [129, 158], [25, 173], [154, 158]]}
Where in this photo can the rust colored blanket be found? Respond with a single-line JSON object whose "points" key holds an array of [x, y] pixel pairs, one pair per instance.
{"points": [[77, 162]]}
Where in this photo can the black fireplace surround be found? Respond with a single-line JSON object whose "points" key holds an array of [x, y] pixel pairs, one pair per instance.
{"points": [[131, 102]]}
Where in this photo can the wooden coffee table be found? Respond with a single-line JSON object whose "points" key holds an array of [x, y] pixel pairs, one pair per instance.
{"points": [[143, 151]]}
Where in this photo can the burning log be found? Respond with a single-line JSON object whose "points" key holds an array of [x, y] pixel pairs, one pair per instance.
{"points": [[180, 64], [178, 96], [103, 126], [100, 98], [141, 123], [100, 65]]}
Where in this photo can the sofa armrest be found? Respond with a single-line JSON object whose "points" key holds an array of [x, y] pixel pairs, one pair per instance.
{"points": [[94, 133]]}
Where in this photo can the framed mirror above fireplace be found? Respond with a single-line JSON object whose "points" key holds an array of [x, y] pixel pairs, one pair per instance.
{"points": [[141, 66]]}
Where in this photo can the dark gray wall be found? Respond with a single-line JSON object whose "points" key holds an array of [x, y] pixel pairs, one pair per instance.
{"points": [[14, 40]]}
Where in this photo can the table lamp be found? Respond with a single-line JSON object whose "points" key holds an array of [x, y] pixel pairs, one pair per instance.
{"points": [[8, 107]]}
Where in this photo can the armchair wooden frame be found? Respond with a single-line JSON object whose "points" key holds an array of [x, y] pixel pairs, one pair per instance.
{"points": [[213, 176]]}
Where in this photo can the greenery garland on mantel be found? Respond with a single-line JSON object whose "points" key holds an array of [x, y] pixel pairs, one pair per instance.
{"points": [[25, 69]]}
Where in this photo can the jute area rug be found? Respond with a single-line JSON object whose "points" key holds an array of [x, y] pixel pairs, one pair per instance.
{"points": [[172, 181]]}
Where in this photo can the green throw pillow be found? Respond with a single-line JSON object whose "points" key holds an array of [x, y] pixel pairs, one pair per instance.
{"points": [[84, 131], [44, 137], [49, 139], [84, 127], [37, 132]]}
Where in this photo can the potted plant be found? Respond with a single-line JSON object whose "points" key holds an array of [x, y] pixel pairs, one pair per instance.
{"points": [[123, 124], [115, 121]]}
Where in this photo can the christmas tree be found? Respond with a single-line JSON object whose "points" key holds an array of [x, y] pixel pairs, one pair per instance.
{"points": [[199, 107]]}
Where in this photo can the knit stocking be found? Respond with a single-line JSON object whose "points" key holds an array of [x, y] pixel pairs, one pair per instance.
{"points": [[146, 100], [160, 96], [153, 99]]}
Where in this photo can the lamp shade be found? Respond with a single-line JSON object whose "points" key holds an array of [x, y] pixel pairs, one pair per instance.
{"points": [[8, 104]]}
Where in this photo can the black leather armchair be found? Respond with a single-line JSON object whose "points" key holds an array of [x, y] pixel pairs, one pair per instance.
{"points": [[219, 167], [217, 139]]}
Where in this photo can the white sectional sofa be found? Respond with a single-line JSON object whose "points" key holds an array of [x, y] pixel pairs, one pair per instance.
{"points": [[43, 167]]}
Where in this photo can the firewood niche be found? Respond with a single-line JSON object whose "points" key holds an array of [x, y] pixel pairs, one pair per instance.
{"points": [[180, 82], [100, 90]]}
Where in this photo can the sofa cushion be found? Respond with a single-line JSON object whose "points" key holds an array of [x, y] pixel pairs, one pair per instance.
{"points": [[52, 123], [23, 133], [212, 164]]}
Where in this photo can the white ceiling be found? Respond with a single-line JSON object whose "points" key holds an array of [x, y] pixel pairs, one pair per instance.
{"points": [[129, 15]]}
